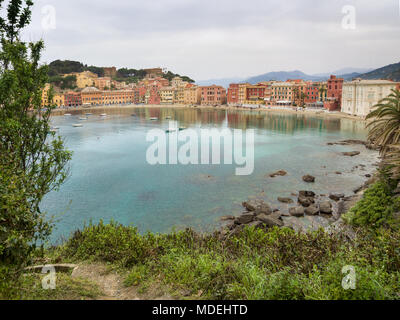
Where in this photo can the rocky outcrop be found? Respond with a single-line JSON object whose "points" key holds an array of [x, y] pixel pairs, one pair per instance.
{"points": [[336, 196], [280, 173], [312, 210], [285, 200], [326, 207], [351, 154], [309, 178], [297, 211]]}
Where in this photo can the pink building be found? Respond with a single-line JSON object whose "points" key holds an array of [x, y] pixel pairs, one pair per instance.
{"points": [[212, 95]]}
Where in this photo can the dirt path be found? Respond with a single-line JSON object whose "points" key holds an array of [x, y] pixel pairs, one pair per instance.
{"points": [[111, 284]]}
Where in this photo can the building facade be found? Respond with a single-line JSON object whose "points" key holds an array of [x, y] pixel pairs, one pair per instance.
{"points": [[192, 95], [73, 99], [233, 94], [359, 96], [167, 95], [213, 95], [334, 93]]}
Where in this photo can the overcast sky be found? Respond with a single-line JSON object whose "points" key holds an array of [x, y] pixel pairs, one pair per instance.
{"points": [[220, 38]]}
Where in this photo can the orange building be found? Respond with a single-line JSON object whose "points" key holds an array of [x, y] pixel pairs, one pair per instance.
{"points": [[192, 94]]}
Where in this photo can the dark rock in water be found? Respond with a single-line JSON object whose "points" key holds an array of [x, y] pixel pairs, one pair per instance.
{"points": [[338, 172], [312, 210], [297, 211], [269, 221], [280, 173], [336, 196], [227, 218], [285, 200], [306, 201], [245, 218], [308, 178], [326, 207], [307, 194], [250, 206], [351, 154], [357, 190]]}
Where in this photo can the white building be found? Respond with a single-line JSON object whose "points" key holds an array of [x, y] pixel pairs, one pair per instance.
{"points": [[359, 96]]}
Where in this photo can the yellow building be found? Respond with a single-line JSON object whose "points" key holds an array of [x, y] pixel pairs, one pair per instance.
{"points": [[167, 95], [58, 98], [178, 82], [179, 95], [192, 95], [242, 92], [84, 79]]}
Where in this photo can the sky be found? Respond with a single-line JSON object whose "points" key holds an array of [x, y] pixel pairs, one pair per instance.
{"points": [[212, 39]]}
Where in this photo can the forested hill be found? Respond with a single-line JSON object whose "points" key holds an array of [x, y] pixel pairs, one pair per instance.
{"points": [[61, 67]]}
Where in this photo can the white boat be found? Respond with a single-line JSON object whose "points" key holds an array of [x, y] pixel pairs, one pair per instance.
{"points": [[168, 117], [89, 114], [103, 115], [67, 114], [77, 125], [82, 119], [182, 128], [153, 119]]}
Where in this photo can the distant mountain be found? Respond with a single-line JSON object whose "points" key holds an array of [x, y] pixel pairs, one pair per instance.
{"points": [[344, 71], [283, 76], [391, 71], [225, 82]]}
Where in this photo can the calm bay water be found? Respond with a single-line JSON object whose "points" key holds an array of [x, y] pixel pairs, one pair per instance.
{"points": [[110, 178]]}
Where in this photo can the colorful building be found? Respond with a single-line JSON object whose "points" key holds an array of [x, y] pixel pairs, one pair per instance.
{"points": [[233, 94], [255, 94], [167, 95], [192, 94], [73, 99], [213, 95], [103, 83], [334, 93]]}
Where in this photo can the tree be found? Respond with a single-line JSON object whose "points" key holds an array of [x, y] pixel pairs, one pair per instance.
{"points": [[384, 129], [33, 160]]}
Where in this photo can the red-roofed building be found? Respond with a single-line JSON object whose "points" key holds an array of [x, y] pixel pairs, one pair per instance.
{"points": [[213, 95], [233, 94]]}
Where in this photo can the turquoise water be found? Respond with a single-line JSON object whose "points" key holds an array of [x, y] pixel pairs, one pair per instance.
{"points": [[110, 178]]}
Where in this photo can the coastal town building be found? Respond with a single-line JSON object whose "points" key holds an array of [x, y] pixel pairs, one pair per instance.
{"points": [[192, 94], [334, 93], [359, 96], [154, 72], [84, 79], [233, 94], [242, 93], [110, 72], [72, 99], [177, 82], [91, 96], [213, 95], [282, 93], [167, 95], [255, 94], [103, 83], [179, 95]]}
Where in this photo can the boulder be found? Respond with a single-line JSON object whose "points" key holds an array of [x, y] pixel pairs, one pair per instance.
{"points": [[227, 218], [276, 214], [326, 207], [256, 224], [307, 194], [338, 172], [297, 211], [270, 221], [336, 196], [280, 173], [308, 178], [285, 200], [312, 210], [351, 154], [306, 201], [250, 206], [245, 218], [263, 208]]}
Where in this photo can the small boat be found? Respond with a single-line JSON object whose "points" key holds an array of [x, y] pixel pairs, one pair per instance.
{"points": [[83, 119], [133, 115], [103, 115], [77, 125], [67, 114], [182, 128], [170, 130], [55, 128], [88, 114], [154, 119], [168, 117]]}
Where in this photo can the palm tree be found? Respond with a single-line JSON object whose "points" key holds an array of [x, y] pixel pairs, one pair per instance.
{"points": [[385, 125]]}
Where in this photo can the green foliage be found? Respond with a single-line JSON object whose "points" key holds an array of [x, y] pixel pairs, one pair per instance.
{"points": [[58, 67], [33, 160], [68, 82], [376, 208], [276, 264]]}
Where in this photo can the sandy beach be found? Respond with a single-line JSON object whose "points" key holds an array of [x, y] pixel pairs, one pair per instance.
{"points": [[272, 109]]}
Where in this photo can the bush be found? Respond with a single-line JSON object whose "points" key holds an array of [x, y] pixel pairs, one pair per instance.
{"points": [[376, 208]]}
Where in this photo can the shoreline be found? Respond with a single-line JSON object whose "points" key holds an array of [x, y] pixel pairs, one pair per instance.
{"points": [[273, 109]]}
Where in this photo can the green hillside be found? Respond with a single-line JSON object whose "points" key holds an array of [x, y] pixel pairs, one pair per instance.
{"points": [[391, 71]]}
